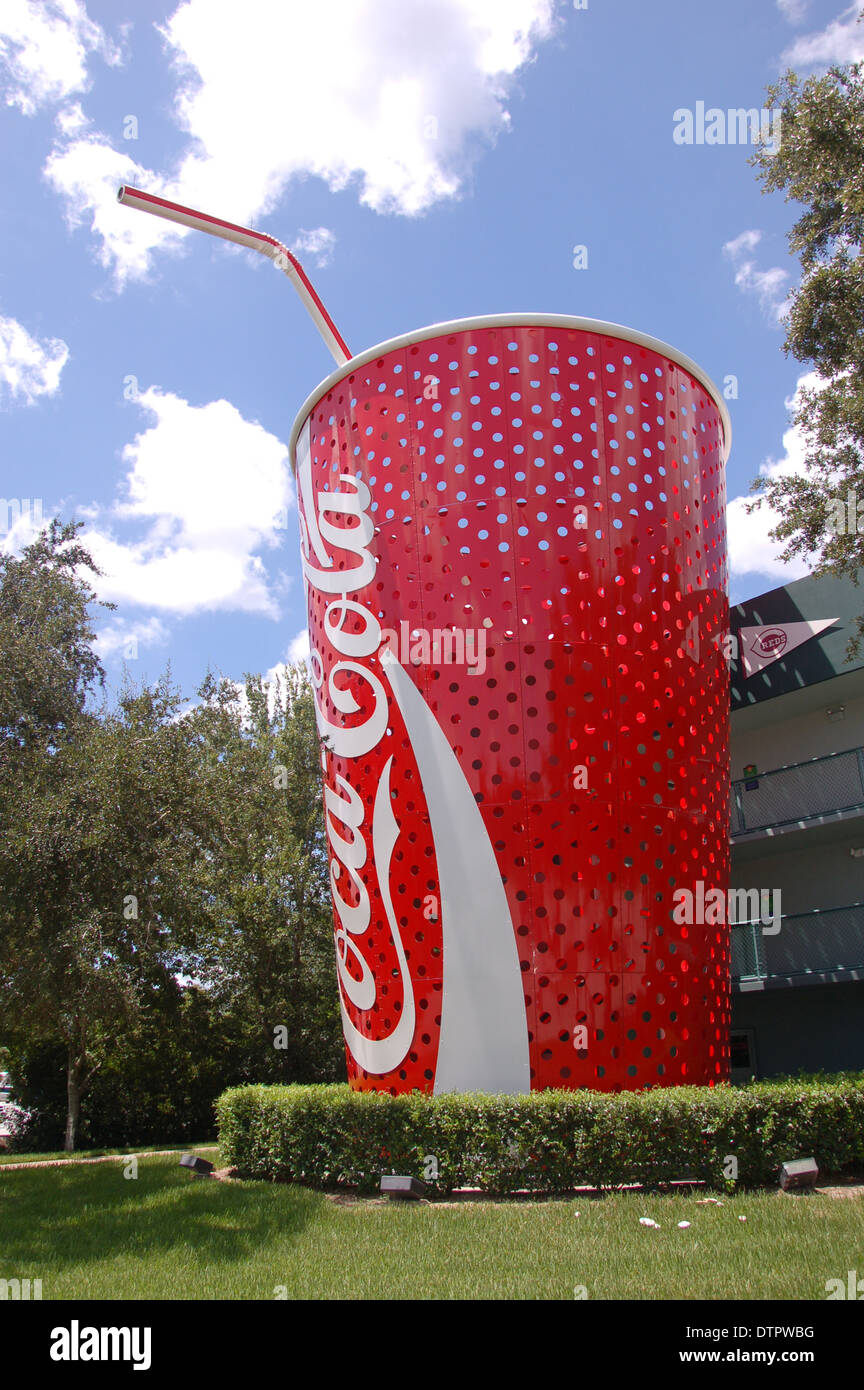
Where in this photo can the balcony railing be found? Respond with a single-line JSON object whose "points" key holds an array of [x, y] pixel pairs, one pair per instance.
{"points": [[826, 944], [800, 793]]}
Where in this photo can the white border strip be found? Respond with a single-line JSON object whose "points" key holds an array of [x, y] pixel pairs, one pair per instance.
{"points": [[436, 330]]}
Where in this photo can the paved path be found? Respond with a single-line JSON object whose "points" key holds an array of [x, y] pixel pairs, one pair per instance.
{"points": [[105, 1158]]}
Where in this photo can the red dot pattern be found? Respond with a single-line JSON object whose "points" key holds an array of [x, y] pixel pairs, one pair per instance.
{"points": [[563, 491]]}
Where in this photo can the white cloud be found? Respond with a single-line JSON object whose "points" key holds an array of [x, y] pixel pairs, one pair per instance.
{"points": [[842, 41], [793, 10], [298, 647], [44, 47], [124, 638], [747, 241], [212, 490], [29, 367], [180, 579], [376, 90], [769, 286], [317, 243], [70, 120], [392, 98], [87, 173], [751, 551]]}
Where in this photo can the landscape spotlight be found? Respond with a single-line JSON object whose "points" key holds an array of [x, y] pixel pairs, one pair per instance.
{"points": [[802, 1172], [200, 1167], [403, 1189]]}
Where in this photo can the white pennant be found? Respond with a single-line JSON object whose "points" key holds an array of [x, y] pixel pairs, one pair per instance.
{"points": [[760, 646]]}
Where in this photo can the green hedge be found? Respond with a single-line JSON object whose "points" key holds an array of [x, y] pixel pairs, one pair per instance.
{"points": [[328, 1136]]}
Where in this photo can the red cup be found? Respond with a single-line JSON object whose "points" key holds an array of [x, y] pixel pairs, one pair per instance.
{"points": [[514, 551]]}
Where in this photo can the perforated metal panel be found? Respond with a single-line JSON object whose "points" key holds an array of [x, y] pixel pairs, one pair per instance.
{"points": [[559, 494]]}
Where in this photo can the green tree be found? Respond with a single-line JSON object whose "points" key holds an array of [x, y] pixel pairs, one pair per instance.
{"points": [[49, 670], [820, 165], [270, 966], [160, 868], [102, 862], [97, 817]]}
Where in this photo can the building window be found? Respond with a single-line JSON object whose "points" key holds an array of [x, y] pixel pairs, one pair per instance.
{"points": [[743, 1050]]}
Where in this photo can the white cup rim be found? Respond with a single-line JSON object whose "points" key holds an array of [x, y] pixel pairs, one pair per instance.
{"points": [[441, 330]]}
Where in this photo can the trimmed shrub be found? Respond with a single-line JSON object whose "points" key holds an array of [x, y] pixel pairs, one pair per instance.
{"points": [[548, 1141]]}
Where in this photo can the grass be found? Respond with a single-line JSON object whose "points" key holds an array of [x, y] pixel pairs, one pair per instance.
{"points": [[89, 1233]]}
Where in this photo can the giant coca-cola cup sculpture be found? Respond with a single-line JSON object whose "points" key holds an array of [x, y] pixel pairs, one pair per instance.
{"points": [[514, 551], [513, 542]]}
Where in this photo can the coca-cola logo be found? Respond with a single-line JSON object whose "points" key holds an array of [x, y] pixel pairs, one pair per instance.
{"points": [[337, 561], [771, 642], [362, 693]]}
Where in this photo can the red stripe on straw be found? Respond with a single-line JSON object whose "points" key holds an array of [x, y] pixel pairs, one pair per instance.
{"points": [[256, 241]]}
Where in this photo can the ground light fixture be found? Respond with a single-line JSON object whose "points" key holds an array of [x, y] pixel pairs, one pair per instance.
{"points": [[199, 1166], [802, 1172], [402, 1189]]}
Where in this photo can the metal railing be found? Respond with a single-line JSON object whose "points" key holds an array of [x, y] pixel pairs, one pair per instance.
{"points": [[802, 792], [827, 943]]}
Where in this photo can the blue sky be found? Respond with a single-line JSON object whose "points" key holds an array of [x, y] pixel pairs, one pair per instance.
{"points": [[428, 160]]}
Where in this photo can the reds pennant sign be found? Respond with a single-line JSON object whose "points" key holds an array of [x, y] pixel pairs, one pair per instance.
{"points": [[760, 646]]}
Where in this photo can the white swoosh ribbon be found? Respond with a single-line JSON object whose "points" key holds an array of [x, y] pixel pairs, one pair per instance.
{"points": [[484, 1030]]}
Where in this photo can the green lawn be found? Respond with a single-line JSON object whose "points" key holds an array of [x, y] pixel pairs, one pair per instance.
{"points": [[90, 1233]]}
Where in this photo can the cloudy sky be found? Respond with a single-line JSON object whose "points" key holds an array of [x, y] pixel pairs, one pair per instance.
{"points": [[428, 160]]}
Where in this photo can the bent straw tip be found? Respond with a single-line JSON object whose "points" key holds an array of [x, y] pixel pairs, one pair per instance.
{"points": [[256, 241]]}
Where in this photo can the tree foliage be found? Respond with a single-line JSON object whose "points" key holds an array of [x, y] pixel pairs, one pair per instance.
{"points": [[163, 878], [268, 956], [820, 165], [49, 669]]}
